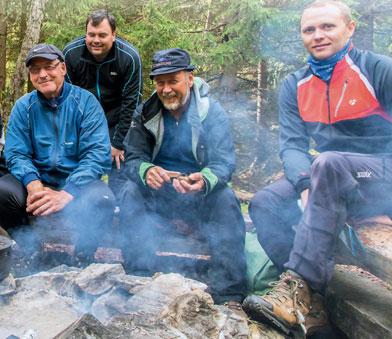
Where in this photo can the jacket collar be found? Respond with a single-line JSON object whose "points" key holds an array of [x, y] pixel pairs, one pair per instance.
{"points": [[55, 102], [87, 57]]}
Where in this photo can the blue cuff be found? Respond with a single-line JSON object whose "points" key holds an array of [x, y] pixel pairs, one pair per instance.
{"points": [[72, 189], [28, 178], [302, 185]]}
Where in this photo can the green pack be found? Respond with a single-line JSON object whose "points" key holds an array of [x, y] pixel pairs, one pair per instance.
{"points": [[260, 269]]}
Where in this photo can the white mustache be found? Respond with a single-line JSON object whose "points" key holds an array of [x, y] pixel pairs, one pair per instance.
{"points": [[169, 96]]}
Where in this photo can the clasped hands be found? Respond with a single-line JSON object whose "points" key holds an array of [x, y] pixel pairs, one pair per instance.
{"points": [[42, 200], [156, 177]]}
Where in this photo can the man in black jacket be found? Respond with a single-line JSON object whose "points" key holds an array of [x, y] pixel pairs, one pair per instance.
{"points": [[110, 68], [180, 157]]}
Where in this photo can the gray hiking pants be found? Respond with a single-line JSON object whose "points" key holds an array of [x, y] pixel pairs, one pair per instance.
{"points": [[343, 186]]}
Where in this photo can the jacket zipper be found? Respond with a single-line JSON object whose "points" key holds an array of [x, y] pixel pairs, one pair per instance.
{"points": [[328, 105], [97, 84], [55, 155], [341, 98]]}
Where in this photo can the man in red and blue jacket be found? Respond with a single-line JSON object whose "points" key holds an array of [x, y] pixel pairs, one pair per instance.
{"points": [[342, 100]]}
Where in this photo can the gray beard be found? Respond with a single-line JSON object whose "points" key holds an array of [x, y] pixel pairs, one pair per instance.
{"points": [[175, 106]]}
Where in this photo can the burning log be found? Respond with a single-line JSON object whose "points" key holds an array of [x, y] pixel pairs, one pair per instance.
{"points": [[48, 247], [183, 255], [108, 255]]}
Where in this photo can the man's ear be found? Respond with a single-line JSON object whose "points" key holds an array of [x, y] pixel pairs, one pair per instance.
{"points": [[190, 79], [351, 27], [63, 67]]}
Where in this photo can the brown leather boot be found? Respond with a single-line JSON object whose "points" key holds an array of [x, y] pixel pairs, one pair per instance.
{"points": [[287, 306]]}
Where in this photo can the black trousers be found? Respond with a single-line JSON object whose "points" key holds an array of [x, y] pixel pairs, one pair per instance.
{"points": [[86, 217], [221, 224], [343, 186]]}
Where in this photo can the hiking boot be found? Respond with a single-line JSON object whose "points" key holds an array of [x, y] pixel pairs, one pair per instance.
{"points": [[288, 305], [317, 318]]}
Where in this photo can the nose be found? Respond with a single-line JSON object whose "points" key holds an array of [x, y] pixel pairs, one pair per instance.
{"points": [[166, 89], [318, 34], [42, 72]]}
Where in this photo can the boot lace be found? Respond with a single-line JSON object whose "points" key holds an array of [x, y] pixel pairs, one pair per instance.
{"points": [[286, 288]]}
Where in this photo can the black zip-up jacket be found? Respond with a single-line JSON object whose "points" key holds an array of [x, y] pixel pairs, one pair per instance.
{"points": [[116, 81]]}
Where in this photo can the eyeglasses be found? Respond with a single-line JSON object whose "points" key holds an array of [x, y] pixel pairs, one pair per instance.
{"points": [[47, 68]]}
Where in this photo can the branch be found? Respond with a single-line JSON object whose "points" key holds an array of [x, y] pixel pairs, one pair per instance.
{"points": [[208, 30]]}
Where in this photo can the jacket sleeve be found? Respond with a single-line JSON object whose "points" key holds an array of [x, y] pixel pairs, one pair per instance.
{"points": [[94, 145], [131, 97], [293, 139], [138, 146], [72, 75], [220, 163], [18, 146], [382, 81]]}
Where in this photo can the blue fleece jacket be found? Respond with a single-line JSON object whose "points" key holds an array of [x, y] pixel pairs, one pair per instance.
{"points": [[64, 144]]}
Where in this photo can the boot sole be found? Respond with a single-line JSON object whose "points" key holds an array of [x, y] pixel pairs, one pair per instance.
{"points": [[263, 314]]}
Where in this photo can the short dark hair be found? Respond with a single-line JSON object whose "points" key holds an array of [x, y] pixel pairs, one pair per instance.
{"points": [[98, 16]]}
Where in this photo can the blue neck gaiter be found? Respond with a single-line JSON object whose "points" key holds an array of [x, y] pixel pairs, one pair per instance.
{"points": [[323, 68]]}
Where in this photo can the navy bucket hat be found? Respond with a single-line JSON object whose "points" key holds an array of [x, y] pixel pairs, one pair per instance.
{"points": [[170, 61]]}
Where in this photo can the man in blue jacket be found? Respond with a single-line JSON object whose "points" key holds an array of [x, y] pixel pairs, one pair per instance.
{"points": [[180, 158], [342, 100], [110, 68], [57, 148]]}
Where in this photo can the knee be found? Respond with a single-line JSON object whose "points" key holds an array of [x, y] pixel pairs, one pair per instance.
{"points": [[99, 195], [263, 200], [327, 161], [226, 197], [12, 193], [130, 191]]}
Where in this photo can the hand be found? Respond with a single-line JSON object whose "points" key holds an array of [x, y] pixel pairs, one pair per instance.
{"points": [[33, 187], [304, 198], [196, 185], [48, 201], [156, 177], [117, 156]]}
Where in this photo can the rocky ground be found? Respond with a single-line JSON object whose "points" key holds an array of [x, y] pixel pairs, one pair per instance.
{"points": [[102, 301]]}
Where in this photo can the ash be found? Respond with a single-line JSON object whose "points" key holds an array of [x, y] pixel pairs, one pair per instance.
{"points": [[102, 301]]}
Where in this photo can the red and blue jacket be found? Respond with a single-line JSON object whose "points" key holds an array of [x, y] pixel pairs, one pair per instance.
{"points": [[350, 113]]}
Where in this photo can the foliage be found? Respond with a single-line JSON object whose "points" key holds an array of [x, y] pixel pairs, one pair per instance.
{"points": [[224, 37]]}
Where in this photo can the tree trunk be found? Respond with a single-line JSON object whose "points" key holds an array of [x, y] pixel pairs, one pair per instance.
{"points": [[208, 18], [261, 87], [3, 45], [31, 38], [364, 35]]}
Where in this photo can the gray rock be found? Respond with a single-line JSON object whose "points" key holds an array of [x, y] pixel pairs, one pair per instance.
{"points": [[7, 287], [98, 279], [85, 327]]}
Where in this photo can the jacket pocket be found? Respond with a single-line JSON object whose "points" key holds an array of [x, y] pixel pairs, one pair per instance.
{"points": [[69, 148]]}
